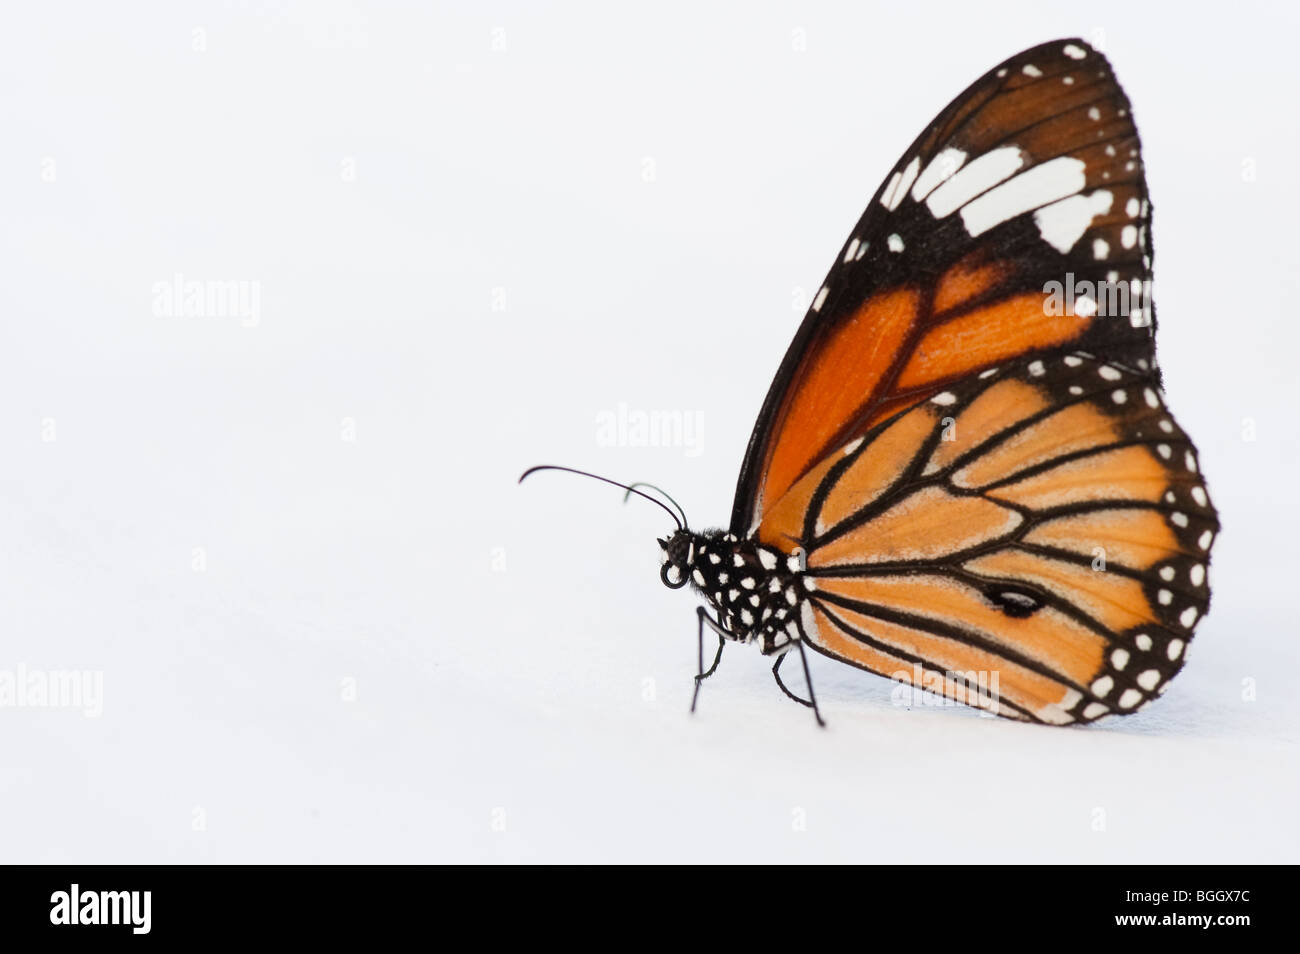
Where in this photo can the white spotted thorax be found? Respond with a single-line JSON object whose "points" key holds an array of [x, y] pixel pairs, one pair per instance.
{"points": [[758, 592]]}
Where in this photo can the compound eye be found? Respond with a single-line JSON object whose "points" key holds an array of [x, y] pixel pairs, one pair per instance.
{"points": [[672, 576]]}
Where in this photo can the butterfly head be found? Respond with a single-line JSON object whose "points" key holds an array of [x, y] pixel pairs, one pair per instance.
{"points": [[678, 554]]}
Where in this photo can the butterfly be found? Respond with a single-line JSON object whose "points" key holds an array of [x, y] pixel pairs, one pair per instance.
{"points": [[964, 475]]}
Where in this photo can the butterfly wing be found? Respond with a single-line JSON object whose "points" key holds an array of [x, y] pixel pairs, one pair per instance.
{"points": [[1031, 176], [1033, 540]]}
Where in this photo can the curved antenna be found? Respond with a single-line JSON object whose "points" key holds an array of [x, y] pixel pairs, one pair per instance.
{"points": [[667, 496], [631, 490]]}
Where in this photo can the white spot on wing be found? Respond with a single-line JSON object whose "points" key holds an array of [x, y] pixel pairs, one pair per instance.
{"points": [[941, 167], [983, 173], [891, 189], [820, 299], [1038, 186], [899, 183], [1063, 223]]}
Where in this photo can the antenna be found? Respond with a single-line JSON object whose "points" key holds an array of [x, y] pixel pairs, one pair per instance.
{"points": [[681, 523]]}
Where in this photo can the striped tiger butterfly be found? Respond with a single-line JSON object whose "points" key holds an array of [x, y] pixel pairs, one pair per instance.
{"points": [[965, 467]]}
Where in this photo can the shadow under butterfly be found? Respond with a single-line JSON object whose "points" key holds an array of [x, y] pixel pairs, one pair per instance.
{"points": [[965, 465]]}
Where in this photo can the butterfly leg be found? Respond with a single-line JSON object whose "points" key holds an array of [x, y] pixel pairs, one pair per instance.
{"points": [[701, 675], [811, 701]]}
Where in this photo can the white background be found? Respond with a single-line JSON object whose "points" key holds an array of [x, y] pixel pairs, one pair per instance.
{"points": [[449, 220]]}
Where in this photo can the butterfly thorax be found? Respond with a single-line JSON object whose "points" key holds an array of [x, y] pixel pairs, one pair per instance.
{"points": [[756, 591]]}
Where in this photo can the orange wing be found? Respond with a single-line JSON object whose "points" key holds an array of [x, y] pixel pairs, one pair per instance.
{"points": [[1034, 540], [1027, 189]]}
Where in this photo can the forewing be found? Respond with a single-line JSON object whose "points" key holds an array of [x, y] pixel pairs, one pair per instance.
{"points": [[1017, 224]]}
